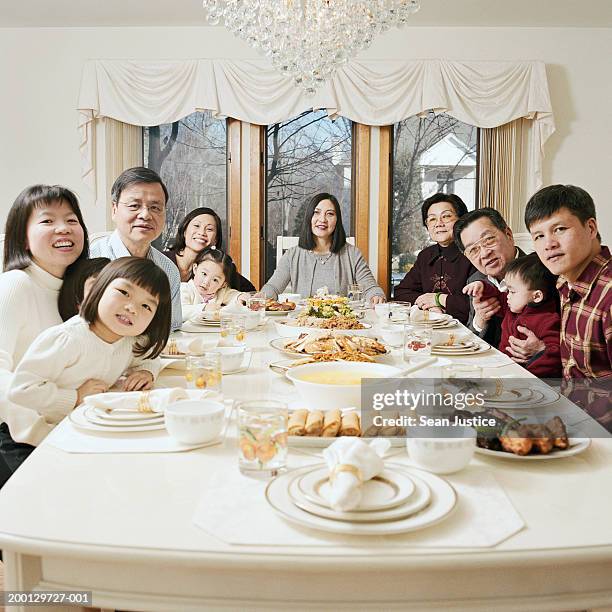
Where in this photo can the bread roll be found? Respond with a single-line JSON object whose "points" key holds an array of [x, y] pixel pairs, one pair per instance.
{"points": [[350, 425], [297, 423], [331, 423], [314, 423]]}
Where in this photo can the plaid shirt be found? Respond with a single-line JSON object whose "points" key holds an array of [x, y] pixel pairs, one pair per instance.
{"points": [[586, 320]]}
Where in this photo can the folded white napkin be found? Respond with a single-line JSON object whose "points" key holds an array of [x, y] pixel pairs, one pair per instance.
{"points": [[351, 461], [448, 338], [189, 346], [157, 399]]}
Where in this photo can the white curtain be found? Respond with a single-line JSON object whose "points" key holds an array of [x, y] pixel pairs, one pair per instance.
{"points": [[484, 94]]}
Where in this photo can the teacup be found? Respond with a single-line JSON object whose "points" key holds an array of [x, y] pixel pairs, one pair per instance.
{"points": [[231, 357], [393, 335], [441, 450], [195, 421]]}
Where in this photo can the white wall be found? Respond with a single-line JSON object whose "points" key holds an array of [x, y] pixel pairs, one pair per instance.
{"points": [[40, 72]]}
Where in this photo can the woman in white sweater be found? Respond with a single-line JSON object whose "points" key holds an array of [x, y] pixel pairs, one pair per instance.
{"points": [[123, 327], [45, 233]]}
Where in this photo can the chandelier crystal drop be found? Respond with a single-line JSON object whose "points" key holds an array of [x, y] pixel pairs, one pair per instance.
{"points": [[309, 39]]}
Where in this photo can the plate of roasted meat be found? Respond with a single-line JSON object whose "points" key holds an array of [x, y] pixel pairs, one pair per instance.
{"points": [[512, 438]]}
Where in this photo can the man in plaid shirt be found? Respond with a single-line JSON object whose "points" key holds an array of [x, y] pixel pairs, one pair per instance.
{"points": [[562, 223]]}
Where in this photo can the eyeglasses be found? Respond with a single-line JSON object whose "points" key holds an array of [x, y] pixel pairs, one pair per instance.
{"points": [[487, 242], [137, 207], [446, 217]]}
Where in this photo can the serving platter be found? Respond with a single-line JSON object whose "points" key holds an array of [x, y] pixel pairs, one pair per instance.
{"points": [[577, 446]]}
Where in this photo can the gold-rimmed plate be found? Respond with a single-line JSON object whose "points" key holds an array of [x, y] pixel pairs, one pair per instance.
{"points": [[385, 491], [443, 500]]}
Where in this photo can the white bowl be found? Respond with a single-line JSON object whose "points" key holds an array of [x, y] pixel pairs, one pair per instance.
{"points": [[285, 330], [325, 395], [231, 356], [439, 454], [195, 421]]}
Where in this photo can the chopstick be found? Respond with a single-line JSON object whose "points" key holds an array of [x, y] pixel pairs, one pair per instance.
{"points": [[418, 366]]}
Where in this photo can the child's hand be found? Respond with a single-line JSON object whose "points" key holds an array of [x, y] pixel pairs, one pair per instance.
{"points": [[90, 387], [141, 380], [474, 289]]}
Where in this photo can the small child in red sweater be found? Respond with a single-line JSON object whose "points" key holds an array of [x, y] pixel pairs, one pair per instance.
{"points": [[530, 301]]}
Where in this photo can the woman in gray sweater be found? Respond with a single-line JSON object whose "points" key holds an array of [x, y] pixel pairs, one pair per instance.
{"points": [[323, 258]]}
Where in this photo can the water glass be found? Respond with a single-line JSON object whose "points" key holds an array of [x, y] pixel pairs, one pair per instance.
{"points": [[233, 330], [262, 438], [257, 304], [355, 294], [203, 371], [417, 343]]}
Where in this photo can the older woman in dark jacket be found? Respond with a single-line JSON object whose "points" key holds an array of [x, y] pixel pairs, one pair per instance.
{"points": [[440, 272]]}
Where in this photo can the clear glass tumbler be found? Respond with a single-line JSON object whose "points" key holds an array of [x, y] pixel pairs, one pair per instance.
{"points": [[417, 343], [233, 330], [203, 371], [262, 438]]}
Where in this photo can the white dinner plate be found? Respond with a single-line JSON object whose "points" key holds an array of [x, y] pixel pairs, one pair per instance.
{"points": [[280, 343], [443, 500], [577, 446], [412, 506], [194, 328], [127, 416], [320, 442], [93, 416], [78, 419], [477, 350], [510, 395], [278, 313], [387, 490], [540, 396], [285, 328]]}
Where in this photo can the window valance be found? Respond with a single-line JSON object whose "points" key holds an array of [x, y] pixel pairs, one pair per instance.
{"points": [[484, 94]]}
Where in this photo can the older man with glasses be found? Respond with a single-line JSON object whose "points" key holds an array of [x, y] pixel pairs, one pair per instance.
{"points": [[486, 240], [138, 199]]}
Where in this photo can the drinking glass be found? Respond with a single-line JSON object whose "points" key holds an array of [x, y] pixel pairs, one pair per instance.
{"points": [[417, 343], [262, 438], [233, 330], [257, 304], [203, 371], [355, 294]]}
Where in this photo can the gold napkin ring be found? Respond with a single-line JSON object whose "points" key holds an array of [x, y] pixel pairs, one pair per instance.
{"points": [[143, 403], [345, 467]]}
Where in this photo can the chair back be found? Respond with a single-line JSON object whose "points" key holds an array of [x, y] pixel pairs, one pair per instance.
{"points": [[286, 242]]}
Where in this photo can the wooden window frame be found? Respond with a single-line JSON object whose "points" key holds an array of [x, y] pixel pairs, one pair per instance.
{"points": [[385, 185], [257, 171], [234, 190], [360, 177]]}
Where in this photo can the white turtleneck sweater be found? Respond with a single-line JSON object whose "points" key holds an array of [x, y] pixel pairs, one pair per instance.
{"points": [[61, 359], [28, 306]]}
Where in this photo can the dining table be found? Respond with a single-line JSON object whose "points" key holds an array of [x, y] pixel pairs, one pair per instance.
{"points": [[187, 531]]}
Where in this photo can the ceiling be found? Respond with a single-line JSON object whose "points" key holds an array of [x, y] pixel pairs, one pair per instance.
{"points": [[93, 13]]}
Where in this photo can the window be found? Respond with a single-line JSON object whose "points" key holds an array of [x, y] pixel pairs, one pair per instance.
{"points": [[304, 156], [190, 156], [436, 153]]}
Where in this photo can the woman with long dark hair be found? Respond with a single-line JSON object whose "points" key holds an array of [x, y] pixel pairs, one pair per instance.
{"points": [[200, 229], [45, 235], [323, 258]]}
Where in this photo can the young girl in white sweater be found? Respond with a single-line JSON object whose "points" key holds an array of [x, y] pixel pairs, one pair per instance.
{"points": [[210, 287], [123, 326]]}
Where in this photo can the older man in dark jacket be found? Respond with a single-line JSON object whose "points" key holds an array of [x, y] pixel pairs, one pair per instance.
{"points": [[486, 240]]}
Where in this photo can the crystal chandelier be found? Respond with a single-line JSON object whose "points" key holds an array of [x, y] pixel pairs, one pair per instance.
{"points": [[309, 39]]}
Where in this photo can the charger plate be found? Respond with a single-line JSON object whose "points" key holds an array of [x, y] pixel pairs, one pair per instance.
{"points": [[443, 500]]}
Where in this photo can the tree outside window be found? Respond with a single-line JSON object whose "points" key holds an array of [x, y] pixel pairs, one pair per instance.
{"points": [[431, 154], [305, 155], [190, 157]]}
